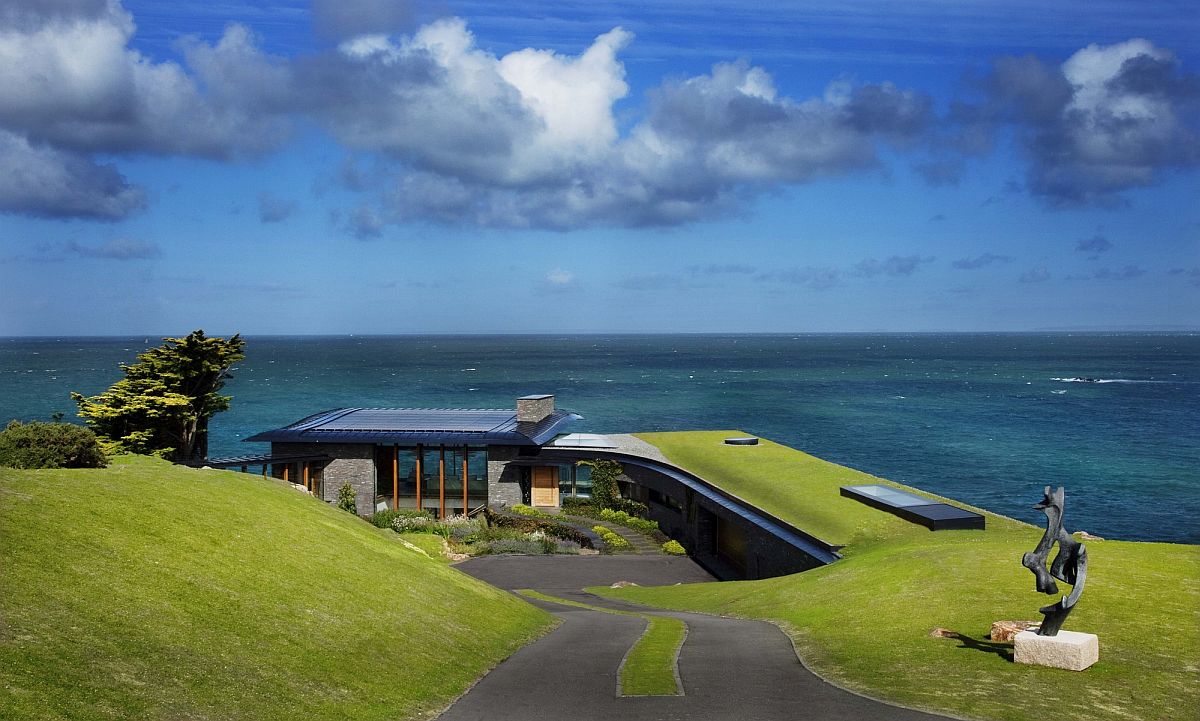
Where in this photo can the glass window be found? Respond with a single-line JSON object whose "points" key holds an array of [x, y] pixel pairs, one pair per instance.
{"points": [[575, 480], [408, 472], [317, 479], [477, 474], [583, 481], [384, 456], [454, 471], [430, 479]]}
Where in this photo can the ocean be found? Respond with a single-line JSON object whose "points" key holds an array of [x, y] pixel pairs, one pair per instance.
{"points": [[988, 419]]}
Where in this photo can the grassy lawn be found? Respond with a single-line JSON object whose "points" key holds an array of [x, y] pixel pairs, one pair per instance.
{"points": [[148, 590], [864, 622], [650, 667], [794, 486]]}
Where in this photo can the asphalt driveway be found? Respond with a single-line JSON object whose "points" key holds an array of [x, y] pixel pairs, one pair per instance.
{"points": [[730, 668]]}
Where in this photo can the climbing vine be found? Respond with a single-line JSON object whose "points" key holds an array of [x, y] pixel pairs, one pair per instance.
{"points": [[605, 473]]}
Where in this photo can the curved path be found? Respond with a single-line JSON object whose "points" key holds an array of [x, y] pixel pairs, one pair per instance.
{"points": [[730, 668]]}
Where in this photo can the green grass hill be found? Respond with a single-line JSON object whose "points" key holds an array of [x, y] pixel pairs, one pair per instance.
{"points": [[865, 621], [147, 590]]}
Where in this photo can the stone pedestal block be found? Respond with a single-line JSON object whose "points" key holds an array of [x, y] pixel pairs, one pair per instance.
{"points": [[1071, 650]]}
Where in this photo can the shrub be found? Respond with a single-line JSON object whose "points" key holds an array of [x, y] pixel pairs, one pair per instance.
{"points": [[523, 510], [493, 533], [383, 519], [674, 548], [630, 506], [622, 518], [347, 499], [529, 525], [49, 445], [579, 506], [611, 539], [567, 547], [459, 527], [513, 545], [413, 523], [413, 513]]}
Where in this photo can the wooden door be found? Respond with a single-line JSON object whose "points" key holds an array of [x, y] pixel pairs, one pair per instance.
{"points": [[545, 486]]}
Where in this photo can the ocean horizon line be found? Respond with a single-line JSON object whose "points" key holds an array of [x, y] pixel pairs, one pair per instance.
{"points": [[627, 334]]}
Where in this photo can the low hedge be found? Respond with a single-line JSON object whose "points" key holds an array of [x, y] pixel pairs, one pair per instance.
{"points": [[622, 518], [612, 539], [580, 506], [522, 510], [589, 508], [674, 548]]}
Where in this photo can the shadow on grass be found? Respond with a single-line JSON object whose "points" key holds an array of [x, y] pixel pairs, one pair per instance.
{"points": [[1003, 650]]}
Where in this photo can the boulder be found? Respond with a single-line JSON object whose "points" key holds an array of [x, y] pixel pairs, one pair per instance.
{"points": [[1006, 631]]}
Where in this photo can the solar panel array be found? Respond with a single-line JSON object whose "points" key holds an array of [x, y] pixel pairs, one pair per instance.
{"points": [[419, 426], [419, 420]]}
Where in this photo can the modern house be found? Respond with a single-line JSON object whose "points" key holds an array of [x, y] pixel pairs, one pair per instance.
{"points": [[444, 460], [451, 460]]}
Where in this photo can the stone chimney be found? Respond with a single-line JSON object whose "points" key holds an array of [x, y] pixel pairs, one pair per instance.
{"points": [[531, 409]]}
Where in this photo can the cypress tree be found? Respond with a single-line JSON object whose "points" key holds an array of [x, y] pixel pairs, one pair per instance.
{"points": [[163, 404]]}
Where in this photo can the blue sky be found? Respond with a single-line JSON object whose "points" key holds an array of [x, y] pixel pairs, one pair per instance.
{"points": [[383, 167]]}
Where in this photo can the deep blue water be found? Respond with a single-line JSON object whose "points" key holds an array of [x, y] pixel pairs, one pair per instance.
{"points": [[979, 418]]}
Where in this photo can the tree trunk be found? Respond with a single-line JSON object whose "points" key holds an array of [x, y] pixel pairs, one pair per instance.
{"points": [[185, 453], [200, 440]]}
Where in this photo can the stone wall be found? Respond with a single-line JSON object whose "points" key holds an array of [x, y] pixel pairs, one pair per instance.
{"points": [[352, 463], [504, 480]]}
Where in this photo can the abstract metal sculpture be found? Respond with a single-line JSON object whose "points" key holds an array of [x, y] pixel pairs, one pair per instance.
{"points": [[1069, 566]]}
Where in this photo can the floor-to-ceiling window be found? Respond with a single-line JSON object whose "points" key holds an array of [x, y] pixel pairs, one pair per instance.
{"points": [[477, 476], [455, 457], [431, 478], [406, 464], [434, 474], [395, 477], [385, 475], [575, 480]]}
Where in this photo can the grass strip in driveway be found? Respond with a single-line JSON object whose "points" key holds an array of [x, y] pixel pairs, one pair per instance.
{"points": [[651, 666]]}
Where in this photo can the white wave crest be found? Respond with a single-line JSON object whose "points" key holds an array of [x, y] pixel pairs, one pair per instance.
{"points": [[1103, 380]]}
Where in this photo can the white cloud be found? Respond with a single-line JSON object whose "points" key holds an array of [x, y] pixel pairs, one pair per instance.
{"points": [[1110, 118], [71, 87], [531, 139], [572, 97], [46, 182], [558, 276], [117, 249], [73, 82]]}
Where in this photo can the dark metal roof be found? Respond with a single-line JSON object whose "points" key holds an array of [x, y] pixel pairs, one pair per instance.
{"points": [[420, 425], [259, 459]]}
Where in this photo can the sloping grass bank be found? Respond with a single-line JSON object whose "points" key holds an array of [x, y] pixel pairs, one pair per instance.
{"points": [[865, 621], [152, 591]]}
